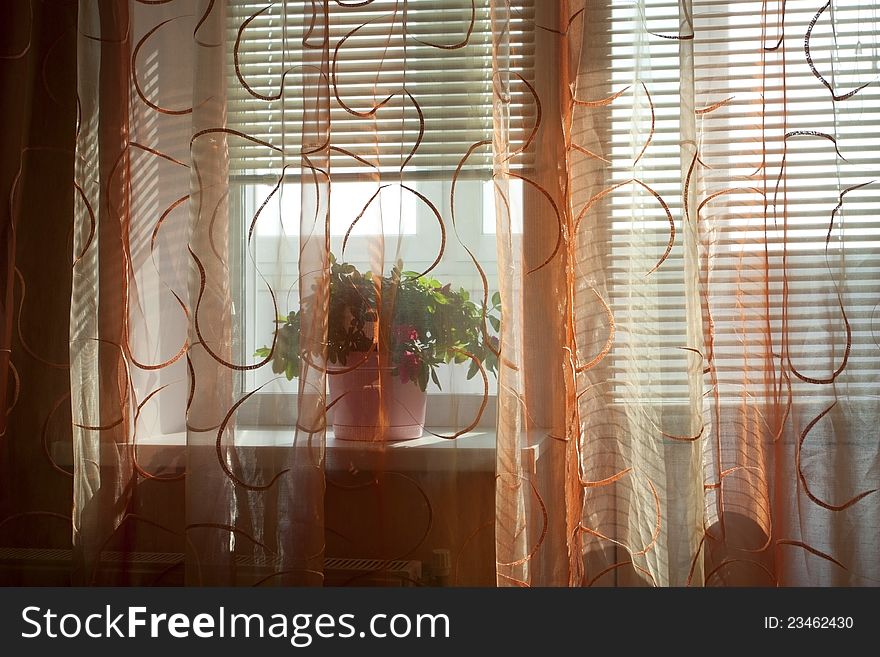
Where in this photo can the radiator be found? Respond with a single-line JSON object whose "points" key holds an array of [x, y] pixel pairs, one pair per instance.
{"points": [[371, 572], [337, 571]]}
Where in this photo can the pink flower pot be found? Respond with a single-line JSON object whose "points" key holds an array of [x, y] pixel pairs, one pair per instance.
{"points": [[356, 416]]}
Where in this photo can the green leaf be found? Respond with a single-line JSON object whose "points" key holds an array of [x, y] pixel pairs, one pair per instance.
{"points": [[472, 370], [434, 378], [496, 299], [423, 377], [290, 370], [491, 362], [495, 322]]}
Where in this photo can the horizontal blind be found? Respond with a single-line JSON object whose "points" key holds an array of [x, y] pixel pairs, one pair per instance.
{"points": [[377, 49], [780, 152], [648, 310]]}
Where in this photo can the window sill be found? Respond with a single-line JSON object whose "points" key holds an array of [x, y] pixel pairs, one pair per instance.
{"points": [[471, 452]]}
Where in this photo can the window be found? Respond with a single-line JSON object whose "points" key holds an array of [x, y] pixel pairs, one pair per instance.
{"points": [[456, 114], [734, 118]]}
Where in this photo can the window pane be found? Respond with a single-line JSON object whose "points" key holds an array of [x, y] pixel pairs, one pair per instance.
{"points": [[391, 211], [514, 201]]}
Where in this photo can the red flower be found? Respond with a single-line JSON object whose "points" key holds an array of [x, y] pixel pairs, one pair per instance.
{"points": [[409, 366], [405, 333]]}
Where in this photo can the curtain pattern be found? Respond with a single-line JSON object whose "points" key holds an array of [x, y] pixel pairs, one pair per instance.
{"points": [[683, 396], [169, 247], [762, 469]]}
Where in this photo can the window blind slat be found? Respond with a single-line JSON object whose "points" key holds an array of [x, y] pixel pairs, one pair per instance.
{"points": [[453, 87], [755, 248]]}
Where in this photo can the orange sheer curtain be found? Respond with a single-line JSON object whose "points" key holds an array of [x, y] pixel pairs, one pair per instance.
{"points": [[719, 354], [225, 152], [673, 201]]}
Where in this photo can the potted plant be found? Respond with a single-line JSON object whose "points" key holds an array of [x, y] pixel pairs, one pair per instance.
{"points": [[382, 356]]}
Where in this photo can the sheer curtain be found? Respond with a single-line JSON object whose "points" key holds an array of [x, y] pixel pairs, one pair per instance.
{"points": [[712, 190], [155, 361], [228, 153], [37, 92], [648, 230]]}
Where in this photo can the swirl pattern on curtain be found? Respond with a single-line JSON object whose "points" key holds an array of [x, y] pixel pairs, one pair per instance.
{"points": [[720, 353]]}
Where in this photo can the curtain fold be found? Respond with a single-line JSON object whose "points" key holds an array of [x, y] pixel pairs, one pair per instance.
{"points": [[37, 92]]}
